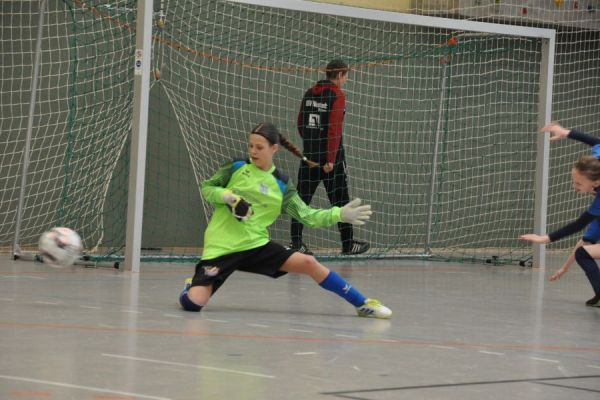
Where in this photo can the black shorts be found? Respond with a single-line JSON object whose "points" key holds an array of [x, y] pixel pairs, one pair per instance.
{"points": [[265, 260]]}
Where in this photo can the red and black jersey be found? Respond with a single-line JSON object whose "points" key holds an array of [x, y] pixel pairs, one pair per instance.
{"points": [[320, 121]]}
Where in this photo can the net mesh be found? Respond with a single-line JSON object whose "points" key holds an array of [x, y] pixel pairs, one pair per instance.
{"points": [[226, 67], [438, 136]]}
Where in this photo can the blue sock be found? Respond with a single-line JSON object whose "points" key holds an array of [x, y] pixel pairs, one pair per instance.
{"points": [[188, 304], [587, 263], [336, 284]]}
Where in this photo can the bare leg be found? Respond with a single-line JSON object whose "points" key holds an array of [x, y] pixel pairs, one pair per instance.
{"points": [[307, 265], [200, 294]]}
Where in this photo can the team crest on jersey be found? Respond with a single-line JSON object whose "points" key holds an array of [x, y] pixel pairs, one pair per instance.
{"points": [[264, 189], [211, 270]]}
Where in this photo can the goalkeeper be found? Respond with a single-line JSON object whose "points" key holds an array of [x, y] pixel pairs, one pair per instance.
{"points": [[248, 196]]}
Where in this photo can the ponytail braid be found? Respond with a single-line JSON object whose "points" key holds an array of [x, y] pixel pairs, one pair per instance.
{"points": [[292, 148], [273, 136]]}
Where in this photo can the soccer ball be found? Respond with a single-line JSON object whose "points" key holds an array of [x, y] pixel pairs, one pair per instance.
{"points": [[60, 247]]}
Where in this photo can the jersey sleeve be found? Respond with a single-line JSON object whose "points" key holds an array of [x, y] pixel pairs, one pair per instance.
{"points": [[584, 220], [300, 119], [583, 137], [336, 121], [294, 206], [212, 189]]}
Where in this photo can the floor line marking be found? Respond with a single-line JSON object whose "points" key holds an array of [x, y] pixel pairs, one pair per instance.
{"points": [[437, 346], [329, 339], [491, 352], [594, 366], [52, 303], [355, 392], [217, 320], [232, 371], [173, 315], [300, 330], [544, 359], [258, 325], [89, 388], [346, 336], [91, 307], [22, 276]]}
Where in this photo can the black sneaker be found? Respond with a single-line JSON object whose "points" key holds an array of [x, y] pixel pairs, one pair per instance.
{"points": [[300, 248], [594, 301], [357, 247]]}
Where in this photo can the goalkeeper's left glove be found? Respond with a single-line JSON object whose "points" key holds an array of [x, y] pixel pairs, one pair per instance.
{"points": [[355, 214]]}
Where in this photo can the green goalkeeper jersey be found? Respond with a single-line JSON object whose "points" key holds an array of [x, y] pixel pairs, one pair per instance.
{"points": [[270, 194]]}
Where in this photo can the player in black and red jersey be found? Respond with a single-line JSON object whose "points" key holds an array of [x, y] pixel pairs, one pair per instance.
{"points": [[320, 123]]}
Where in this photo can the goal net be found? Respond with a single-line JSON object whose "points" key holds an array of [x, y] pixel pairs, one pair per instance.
{"points": [[439, 130]]}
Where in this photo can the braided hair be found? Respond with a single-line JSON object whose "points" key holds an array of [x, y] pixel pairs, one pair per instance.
{"points": [[273, 136]]}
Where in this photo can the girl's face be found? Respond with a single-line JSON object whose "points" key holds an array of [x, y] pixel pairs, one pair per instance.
{"points": [[583, 184], [261, 151]]}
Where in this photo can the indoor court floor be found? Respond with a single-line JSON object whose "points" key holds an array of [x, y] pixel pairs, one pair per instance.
{"points": [[459, 331]]}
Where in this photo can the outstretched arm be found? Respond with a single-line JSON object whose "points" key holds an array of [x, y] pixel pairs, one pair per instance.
{"points": [[566, 230], [352, 213], [313, 217], [568, 262], [557, 132]]}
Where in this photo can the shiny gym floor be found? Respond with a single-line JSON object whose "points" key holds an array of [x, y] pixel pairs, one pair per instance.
{"points": [[459, 331]]}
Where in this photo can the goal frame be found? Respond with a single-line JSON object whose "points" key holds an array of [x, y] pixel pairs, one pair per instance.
{"points": [[548, 43], [140, 62]]}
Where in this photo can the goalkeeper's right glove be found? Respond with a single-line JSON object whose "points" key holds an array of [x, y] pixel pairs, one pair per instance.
{"points": [[239, 207]]}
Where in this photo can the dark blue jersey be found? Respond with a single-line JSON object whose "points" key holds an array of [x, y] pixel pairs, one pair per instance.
{"points": [[593, 211]]}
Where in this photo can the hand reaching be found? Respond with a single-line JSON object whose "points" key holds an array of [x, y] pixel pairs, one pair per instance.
{"points": [[532, 237], [557, 132], [355, 214], [556, 276]]}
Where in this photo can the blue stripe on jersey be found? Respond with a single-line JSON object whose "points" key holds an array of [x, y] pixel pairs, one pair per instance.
{"points": [[237, 164], [282, 180], [282, 185]]}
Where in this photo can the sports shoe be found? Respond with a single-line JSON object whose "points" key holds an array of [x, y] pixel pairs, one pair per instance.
{"points": [[188, 284], [594, 301], [374, 309], [356, 247], [300, 248]]}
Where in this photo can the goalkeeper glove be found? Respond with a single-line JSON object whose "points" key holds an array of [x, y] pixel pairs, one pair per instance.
{"points": [[355, 214], [239, 207]]}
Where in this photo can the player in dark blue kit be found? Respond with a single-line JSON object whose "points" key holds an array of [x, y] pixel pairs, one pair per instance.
{"points": [[586, 179], [591, 236]]}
